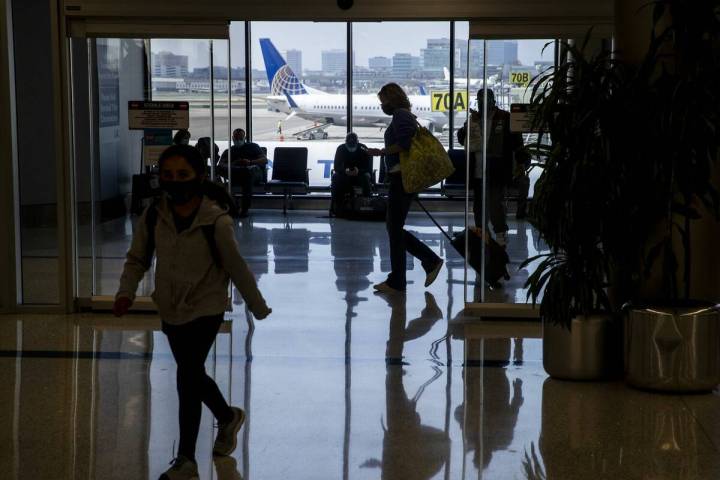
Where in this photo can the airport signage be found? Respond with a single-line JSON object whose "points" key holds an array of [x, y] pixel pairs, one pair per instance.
{"points": [[155, 141], [521, 118], [440, 101], [172, 115], [521, 77]]}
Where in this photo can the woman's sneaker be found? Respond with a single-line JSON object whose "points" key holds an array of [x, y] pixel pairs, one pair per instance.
{"points": [[433, 273], [182, 469], [226, 468], [226, 439]]}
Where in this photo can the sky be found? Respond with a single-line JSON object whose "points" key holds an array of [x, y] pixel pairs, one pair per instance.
{"points": [[370, 39]]}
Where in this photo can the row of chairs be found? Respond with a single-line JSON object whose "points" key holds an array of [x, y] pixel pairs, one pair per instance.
{"points": [[290, 176]]}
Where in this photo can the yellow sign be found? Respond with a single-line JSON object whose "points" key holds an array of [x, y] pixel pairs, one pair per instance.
{"points": [[440, 101], [521, 78]]}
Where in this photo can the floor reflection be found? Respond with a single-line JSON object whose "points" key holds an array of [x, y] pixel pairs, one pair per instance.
{"points": [[338, 383], [410, 449], [105, 407], [490, 411]]}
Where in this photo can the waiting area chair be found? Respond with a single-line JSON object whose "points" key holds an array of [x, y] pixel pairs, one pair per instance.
{"points": [[289, 174], [454, 185]]}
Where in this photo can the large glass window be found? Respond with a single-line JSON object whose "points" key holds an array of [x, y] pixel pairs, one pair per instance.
{"points": [[416, 56], [299, 92]]}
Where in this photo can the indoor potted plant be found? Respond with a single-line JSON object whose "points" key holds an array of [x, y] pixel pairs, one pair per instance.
{"points": [[632, 156], [571, 103]]}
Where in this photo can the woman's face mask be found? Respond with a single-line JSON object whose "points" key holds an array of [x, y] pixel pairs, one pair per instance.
{"points": [[387, 109], [181, 192], [184, 141], [352, 149], [239, 142], [179, 180]]}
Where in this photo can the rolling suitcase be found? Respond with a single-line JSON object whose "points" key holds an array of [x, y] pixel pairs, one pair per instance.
{"points": [[496, 258]]}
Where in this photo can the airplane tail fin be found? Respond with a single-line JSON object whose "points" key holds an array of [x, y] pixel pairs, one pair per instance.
{"points": [[422, 90], [280, 76], [446, 73]]}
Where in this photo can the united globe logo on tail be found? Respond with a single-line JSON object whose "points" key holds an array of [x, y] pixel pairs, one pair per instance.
{"points": [[280, 76], [285, 81]]}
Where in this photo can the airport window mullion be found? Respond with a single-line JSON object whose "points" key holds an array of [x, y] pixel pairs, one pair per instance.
{"points": [[349, 77], [451, 114], [248, 82]]}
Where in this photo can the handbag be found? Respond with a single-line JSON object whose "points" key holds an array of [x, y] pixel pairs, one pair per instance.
{"points": [[426, 163]]}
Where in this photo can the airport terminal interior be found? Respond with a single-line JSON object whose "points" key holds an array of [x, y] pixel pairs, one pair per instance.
{"points": [[469, 377]]}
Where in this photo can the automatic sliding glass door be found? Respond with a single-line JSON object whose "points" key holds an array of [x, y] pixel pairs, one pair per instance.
{"points": [[114, 163], [501, 171]]}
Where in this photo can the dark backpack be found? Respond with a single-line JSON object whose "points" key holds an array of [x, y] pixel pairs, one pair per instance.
{"points": [[151, 222]]}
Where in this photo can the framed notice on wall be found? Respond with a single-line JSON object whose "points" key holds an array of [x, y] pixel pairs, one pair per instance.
{"points": [[521, 118], [172, 115]]}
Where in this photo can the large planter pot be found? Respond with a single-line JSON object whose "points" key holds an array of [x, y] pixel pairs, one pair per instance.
{"points": [[673, 349], [588, 351]]}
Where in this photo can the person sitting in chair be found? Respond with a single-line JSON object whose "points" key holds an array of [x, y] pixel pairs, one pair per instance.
{"points": [[248, 163], [352, 167]]}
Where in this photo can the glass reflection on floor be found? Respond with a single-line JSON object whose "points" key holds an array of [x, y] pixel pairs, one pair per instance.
{"points": [[337, 383]]}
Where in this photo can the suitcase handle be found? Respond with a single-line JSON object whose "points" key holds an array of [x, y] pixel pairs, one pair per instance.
{"points": [[433, 219]]}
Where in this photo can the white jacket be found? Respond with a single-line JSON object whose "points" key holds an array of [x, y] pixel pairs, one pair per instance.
{"points": [[188, 282]]}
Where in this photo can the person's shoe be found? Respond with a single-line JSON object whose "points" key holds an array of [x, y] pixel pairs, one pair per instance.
{"points": [[182, 468], [226, 439], [432, 274], [385, 288], [226, 468]]}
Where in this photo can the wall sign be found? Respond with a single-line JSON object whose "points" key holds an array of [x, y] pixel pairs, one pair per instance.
{"points": [[172, 115], [521, 118]]}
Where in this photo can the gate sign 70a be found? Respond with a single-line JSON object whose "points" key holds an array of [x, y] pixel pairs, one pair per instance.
{"points": [[441, 101]]}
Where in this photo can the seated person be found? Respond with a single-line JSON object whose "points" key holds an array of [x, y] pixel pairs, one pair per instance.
{"points": [[353, 167], [182, 137], [203, 145], [248, 162]]}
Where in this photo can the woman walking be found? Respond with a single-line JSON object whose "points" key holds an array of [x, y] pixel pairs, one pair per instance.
{"points": [[197, 254], [398, 137]]}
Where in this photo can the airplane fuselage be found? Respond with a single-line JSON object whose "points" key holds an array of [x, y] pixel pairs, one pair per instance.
{"points": [[332, 108]]}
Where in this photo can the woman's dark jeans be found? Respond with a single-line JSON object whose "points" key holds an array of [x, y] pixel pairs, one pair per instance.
{"points": [[190, 344], [402, 241]]}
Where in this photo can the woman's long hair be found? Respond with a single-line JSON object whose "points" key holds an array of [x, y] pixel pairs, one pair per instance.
{"points": [[214, 191], [395, 96]]}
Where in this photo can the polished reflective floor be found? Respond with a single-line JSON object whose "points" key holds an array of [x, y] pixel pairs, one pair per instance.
{"points": [[338, 383], [284, 244]]}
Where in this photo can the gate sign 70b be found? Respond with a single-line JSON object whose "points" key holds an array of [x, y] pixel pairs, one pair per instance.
{"points": [[441, 101], [521, 78]]}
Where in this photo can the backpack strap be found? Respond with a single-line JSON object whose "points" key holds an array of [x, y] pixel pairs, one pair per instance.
{"points": [[151, 218], [209, 232]]}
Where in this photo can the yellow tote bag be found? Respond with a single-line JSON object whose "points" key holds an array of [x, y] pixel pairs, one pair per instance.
{"points": [[426, 163]]}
